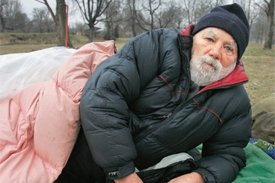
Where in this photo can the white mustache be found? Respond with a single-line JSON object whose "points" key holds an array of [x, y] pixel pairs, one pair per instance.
{"points": [[215, 63]]}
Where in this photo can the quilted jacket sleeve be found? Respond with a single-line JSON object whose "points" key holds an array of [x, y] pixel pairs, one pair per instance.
{"points": [[104, 105], [223, 154]]}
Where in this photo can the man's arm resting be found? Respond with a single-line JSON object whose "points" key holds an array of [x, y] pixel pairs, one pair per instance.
{"points": [[193, 177], [132, 178]]}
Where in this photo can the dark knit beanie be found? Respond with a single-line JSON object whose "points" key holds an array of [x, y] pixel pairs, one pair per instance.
{"points": [[230, 18]]}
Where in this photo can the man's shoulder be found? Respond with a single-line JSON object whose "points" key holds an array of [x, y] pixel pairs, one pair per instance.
{"points": [[235, 98], [158, 32]]}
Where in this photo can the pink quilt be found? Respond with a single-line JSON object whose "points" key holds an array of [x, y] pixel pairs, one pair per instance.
{"points": [[39, 125]]}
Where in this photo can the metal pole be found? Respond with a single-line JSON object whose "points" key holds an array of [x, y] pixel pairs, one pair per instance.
{"points": [[67, 27]]}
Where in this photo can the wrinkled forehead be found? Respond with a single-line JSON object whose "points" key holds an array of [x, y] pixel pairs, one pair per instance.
{"points": [[218, 33]]}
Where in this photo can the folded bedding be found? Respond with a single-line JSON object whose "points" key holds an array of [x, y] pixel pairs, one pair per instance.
{"points": [[40, 123], [260, 167]]}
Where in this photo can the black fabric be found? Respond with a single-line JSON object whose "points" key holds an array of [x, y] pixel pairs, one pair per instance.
{"points": [[166, 174], [230, 18], [81, 167]]}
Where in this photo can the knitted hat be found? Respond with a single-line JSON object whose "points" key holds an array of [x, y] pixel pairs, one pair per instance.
{"points": [[230, 18]]}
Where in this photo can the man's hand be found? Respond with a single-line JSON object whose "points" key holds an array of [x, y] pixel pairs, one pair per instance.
{"points": [[132, 178], [193, 177]]}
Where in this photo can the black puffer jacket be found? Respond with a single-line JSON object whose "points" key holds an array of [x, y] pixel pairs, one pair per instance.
{"points": [[134, 110]]}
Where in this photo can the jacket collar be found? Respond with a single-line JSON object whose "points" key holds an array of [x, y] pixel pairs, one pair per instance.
{"points": [[237, 76], [187, 30]]}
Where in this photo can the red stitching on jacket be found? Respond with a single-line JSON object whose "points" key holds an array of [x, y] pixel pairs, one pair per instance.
{"points": [[204, 107], [171, 86], [166, 82], [183, 93]]}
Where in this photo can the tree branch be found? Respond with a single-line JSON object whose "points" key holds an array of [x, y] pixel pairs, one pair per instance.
{"points": [[265, 10], [45, 2]]}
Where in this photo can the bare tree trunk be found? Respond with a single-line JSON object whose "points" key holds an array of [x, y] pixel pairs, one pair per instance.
{"points": [[248, 11], [59, 20], [2, 19], [133, 15], [91, 34], [270, 16], [61, 10]]}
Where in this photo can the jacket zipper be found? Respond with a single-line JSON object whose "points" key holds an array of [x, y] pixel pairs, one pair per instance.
{"points": [[165, 117]]}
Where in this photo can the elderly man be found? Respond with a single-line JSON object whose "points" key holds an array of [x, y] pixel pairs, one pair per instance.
{"points": [[149, 106]]}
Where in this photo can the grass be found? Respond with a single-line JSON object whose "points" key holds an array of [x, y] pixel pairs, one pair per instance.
{"points": [[27, 42], [260, 68], [259, 63], [120, 42]]}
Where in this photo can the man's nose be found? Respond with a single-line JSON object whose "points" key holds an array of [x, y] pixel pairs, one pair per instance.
{"points": [[215, 52]]}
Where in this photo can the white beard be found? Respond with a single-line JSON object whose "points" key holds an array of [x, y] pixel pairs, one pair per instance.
{"points": [[202, 74]]}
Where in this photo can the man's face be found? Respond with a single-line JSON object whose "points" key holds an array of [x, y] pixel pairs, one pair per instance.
{"points": [[214, 56]]}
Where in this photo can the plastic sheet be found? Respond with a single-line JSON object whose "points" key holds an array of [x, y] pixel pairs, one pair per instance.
{"points": [[18, 71]]}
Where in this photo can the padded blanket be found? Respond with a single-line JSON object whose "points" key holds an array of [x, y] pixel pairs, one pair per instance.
{"points": [[40, 123], [260, 167]]}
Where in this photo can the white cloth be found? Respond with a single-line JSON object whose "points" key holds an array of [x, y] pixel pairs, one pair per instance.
{"points": [[168, 160]]}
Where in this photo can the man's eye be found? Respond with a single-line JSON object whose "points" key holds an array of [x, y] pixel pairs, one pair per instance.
{"points": [[228, 48], [210, 39]]}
